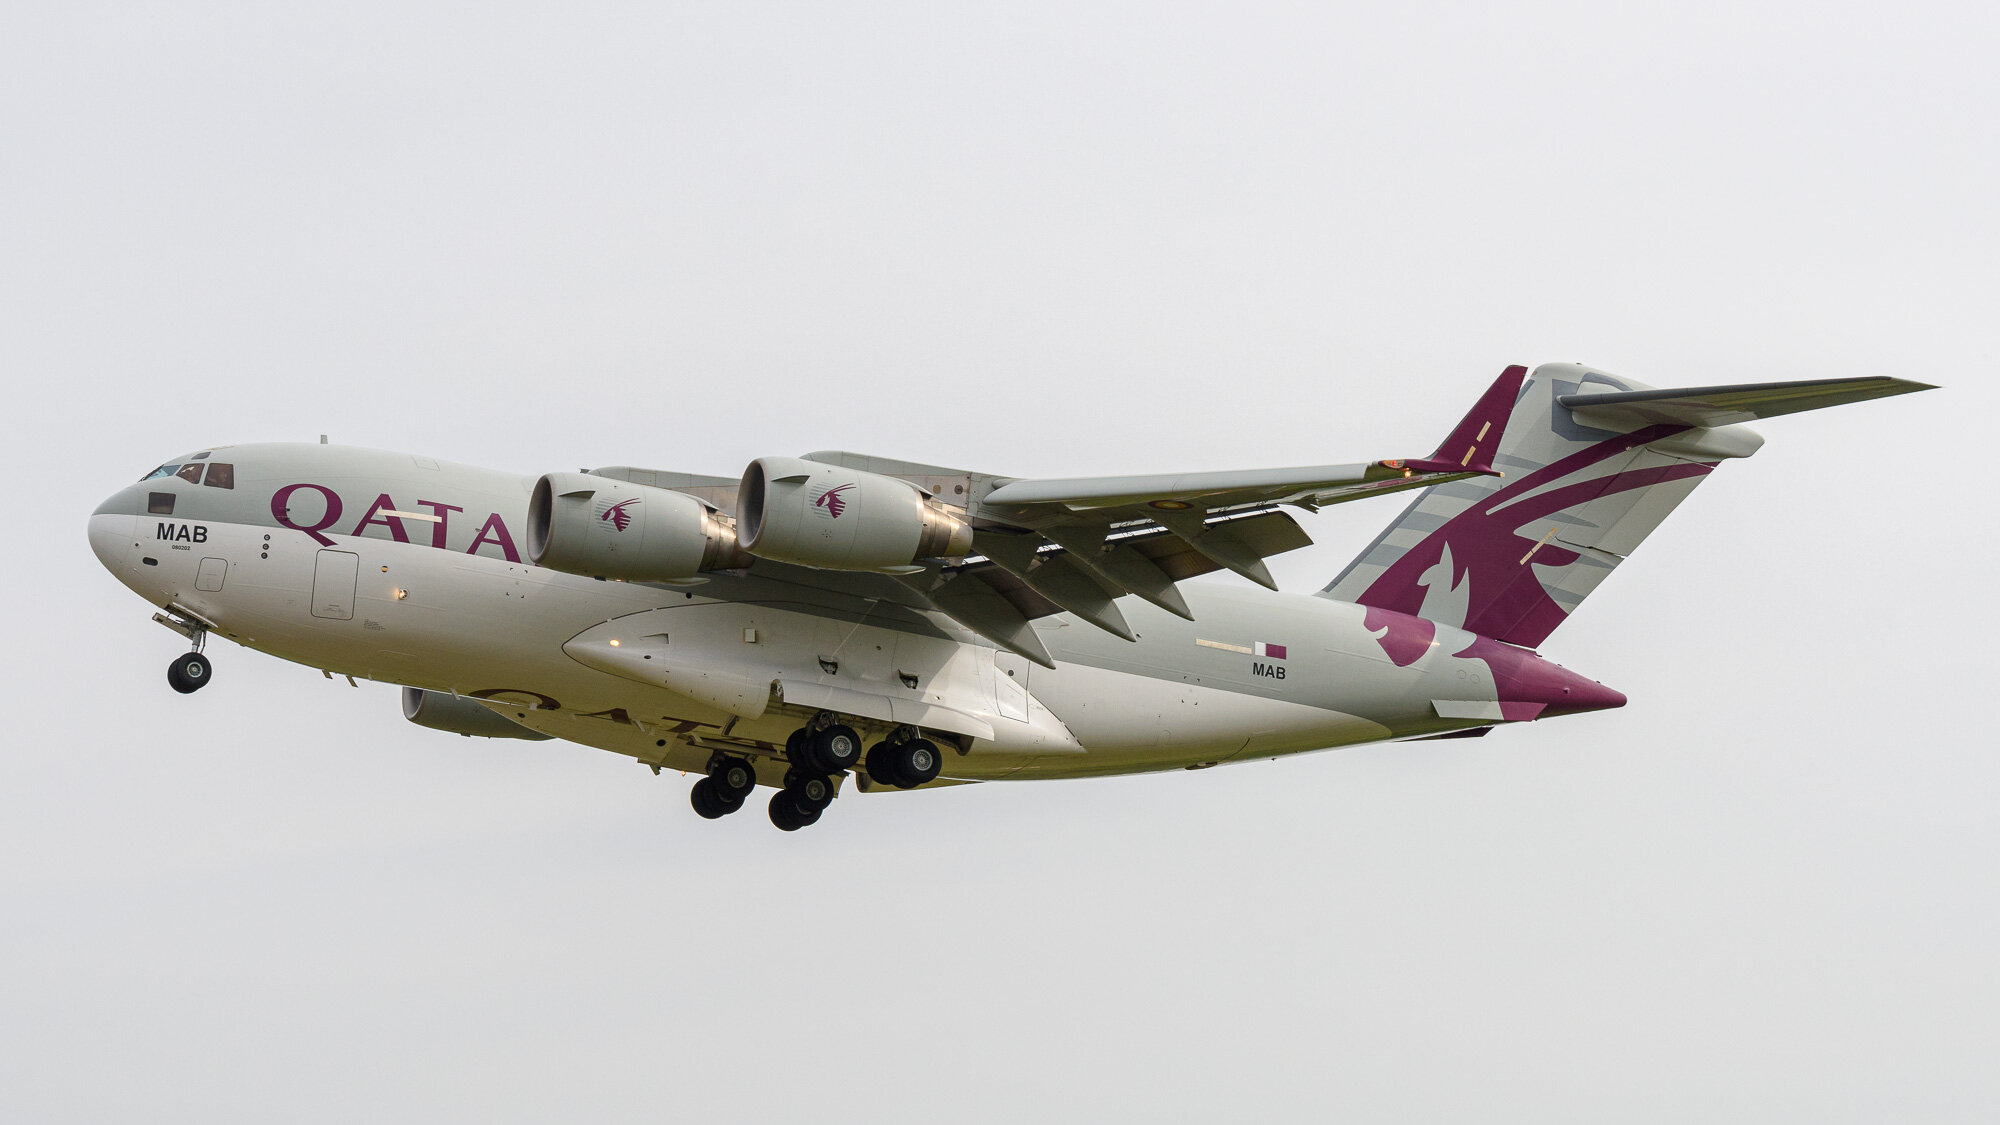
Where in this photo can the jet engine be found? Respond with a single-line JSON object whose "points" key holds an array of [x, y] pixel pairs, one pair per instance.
{"points": [[605, 528], [438, 711], [837, 518]]}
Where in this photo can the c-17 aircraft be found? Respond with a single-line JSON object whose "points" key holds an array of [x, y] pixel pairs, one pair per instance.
{"points": [[910, 625]]}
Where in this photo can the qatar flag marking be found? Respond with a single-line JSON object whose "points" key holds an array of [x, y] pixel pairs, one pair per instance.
{"points": [[1264, 649]]}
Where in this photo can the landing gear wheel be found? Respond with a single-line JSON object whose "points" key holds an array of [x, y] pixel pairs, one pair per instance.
{"points": [[810, 791], [733, 778], [711, 803], [835, 749], [905, 765], [921, 762], [877, 765], [786, 813], [189, 672]]}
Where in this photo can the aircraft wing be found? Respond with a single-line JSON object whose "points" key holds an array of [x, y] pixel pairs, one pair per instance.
{"points": [[1317, 484], [1467, 451], [1076, 545]]}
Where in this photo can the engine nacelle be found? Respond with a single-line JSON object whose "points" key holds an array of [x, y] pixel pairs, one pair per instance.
{"points": [[438, 711], [836, 518], [605, 528]]}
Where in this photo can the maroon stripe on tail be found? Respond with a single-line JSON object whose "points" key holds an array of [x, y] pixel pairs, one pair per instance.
{"points": [[1506, 599]]}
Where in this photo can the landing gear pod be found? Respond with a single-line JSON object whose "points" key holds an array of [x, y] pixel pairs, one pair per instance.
{"points": [[836, 518], [605, 528]]}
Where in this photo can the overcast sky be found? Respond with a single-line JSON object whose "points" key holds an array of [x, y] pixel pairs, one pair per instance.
{"points": [[1029, 239]]}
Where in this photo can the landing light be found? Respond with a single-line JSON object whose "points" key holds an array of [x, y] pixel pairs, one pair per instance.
{"points": [[614, 643], [401, 593]]}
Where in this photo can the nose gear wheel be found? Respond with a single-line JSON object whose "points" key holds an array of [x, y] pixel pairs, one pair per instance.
{"points": [[190, 672]]}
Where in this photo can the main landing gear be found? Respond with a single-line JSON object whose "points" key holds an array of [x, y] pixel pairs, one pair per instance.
{"points": [[728, 784], [804, 797], [827, 748], [819, 753], [906, 762]]}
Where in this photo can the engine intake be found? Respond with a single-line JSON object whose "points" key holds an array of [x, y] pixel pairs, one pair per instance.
{"points": [[605, 528], [836, 518]]}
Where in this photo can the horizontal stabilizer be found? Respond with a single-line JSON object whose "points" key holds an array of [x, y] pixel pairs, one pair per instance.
{"points": [[1594, 463], [1710, 407]]}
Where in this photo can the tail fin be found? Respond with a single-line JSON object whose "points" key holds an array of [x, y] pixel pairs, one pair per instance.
{"points": [[1593, 464]]}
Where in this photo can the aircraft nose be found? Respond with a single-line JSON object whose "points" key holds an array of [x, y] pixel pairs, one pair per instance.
{"points": [[111, 531]]}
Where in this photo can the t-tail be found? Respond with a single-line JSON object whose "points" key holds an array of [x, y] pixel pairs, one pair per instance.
{"points": [[1593, 463]]}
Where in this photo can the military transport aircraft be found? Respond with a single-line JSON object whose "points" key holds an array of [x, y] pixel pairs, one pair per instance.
{"points": [[912, 625]]}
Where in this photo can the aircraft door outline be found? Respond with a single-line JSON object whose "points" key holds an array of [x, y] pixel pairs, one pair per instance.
{"points": [[335, 574], [1010, 685], [210, 577]]}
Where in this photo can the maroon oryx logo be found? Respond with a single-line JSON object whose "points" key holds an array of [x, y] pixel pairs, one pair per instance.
{"points": [[617, 514], [833, 501]]}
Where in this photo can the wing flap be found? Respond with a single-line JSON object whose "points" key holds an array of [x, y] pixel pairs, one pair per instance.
{"points": [[968, 599]]}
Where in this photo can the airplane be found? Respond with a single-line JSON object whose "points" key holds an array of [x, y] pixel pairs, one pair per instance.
{"points": [[839, 618]]}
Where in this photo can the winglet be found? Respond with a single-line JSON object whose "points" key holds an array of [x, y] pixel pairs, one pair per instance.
{"points": [[1469, 448]]}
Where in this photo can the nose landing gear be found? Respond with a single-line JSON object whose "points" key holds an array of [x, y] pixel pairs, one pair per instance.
{"points": [[189, 672]]}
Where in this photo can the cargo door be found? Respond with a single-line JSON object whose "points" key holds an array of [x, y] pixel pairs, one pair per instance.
{"points": [[334, 576]]}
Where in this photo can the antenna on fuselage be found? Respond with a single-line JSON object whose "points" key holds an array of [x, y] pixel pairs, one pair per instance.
{"points": [[322, 439]]}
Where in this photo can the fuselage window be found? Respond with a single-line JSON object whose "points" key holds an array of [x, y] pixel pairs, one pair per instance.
{"points": [[190, 472], [160, 503], [162, 471], [221, 474]]}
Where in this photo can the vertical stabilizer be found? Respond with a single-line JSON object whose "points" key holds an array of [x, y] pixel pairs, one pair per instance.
{"points": [[1511, 557], [1593, 463]]}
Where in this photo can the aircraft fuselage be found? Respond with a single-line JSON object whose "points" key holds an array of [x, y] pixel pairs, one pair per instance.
{"points": [[406, 570]]}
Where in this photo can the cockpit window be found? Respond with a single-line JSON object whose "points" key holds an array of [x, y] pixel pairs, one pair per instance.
{"points": [[162, 471], [221, 474], [190, 472]]}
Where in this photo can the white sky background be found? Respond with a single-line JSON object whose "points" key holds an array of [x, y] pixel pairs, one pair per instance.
{"points": [[1037, 240]]}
